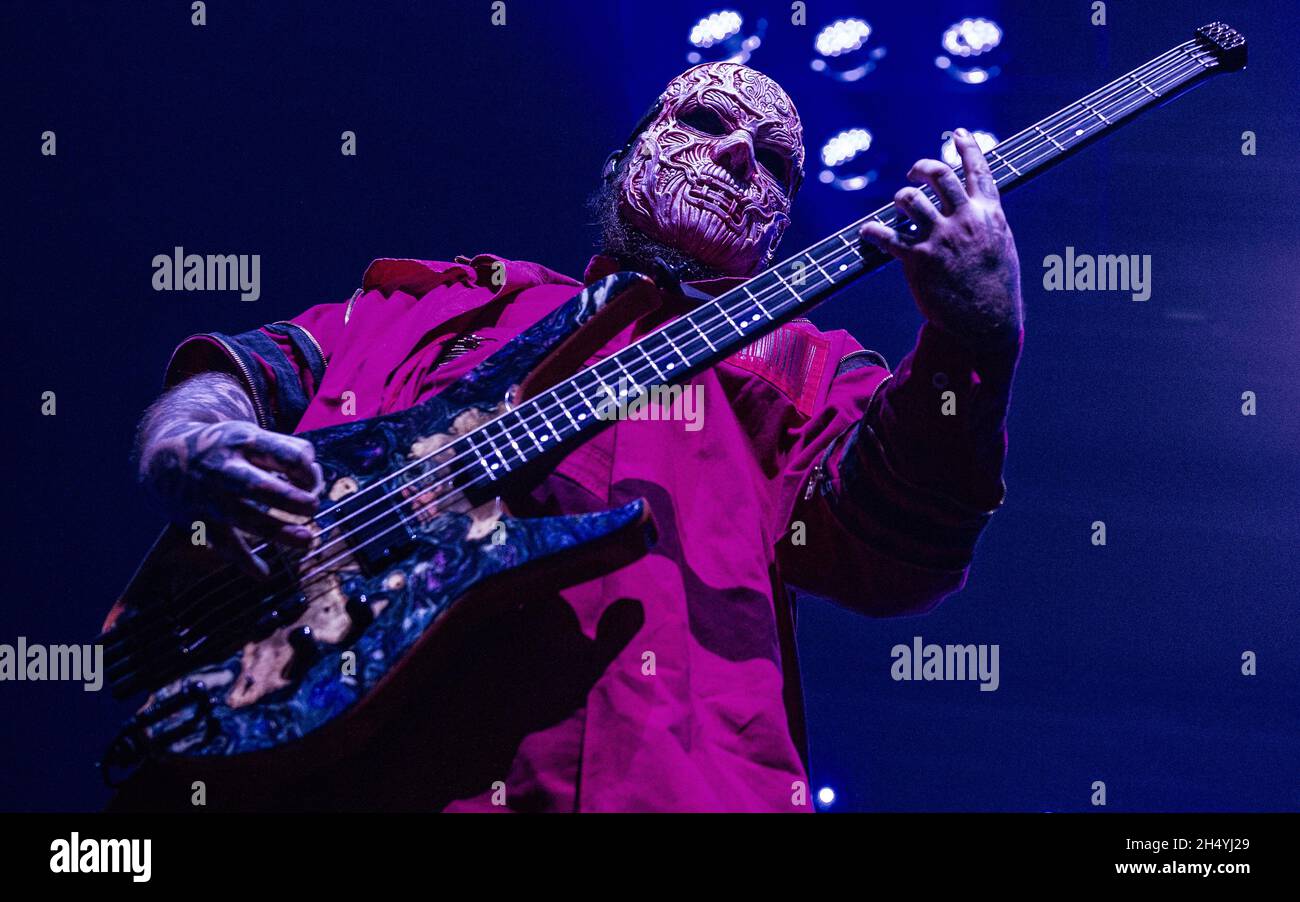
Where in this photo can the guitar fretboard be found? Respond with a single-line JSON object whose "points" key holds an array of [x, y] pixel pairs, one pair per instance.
{"points": [[718, 328]]}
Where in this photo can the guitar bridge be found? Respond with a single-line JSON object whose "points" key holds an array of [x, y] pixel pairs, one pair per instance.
{"points": [[186, 714]]}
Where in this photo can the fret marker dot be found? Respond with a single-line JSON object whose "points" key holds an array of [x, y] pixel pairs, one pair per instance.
{"points": [[843, 266], [670, 366], [545, 437], [496, 466], [582, 416], [1078, 131], [754, 319]]}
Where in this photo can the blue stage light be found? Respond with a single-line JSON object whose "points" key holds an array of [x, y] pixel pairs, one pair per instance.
{"points": [[845, 146], [842, 51], [716, 28], [825, 797], [842, 157], [842, 36], [965, 40], [721, 35], [971, 37]]}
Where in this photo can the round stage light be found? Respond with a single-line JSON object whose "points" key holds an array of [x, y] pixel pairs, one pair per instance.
{"points": [[962, 42], [842, 51], [721, 37], [971, 37], [845, 166], [845, 146], [716, 28], [825, 797], [842, 36]]}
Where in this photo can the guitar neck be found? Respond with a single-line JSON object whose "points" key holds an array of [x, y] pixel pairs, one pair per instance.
{"points": [[718, 328]]}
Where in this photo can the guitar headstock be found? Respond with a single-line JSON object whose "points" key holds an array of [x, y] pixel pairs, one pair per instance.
{"points": [[1225, 44]]}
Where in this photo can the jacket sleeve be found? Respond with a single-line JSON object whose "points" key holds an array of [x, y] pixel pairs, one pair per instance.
{"points": [[904, 471], [280, 365]]}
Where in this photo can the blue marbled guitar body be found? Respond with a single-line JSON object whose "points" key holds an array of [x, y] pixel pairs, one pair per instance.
{"points": [[264, 697]]}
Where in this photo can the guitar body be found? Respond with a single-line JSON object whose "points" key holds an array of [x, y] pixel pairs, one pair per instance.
{"points": [[283, 678]]}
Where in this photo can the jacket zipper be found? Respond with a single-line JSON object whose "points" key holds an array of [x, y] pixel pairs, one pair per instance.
{"points": [[315, 344], [312, 338], [249, 385]]}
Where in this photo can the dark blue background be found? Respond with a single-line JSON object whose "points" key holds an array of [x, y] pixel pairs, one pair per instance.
{"points": [[1119, 663]]}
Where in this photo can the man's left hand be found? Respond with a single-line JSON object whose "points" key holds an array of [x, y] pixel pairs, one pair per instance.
{"points": [[962, 266]]}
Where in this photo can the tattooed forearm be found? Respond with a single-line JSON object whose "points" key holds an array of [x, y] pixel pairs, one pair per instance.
{"points": [[206, 398], [201, 453]]}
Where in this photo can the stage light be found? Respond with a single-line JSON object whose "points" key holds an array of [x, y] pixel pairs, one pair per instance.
{"points": [[971, 37], [965, 40], [842, 36], [842, 157], [716, 28], [845, 146], [825, 797], [948, 151], [722, 38], [842, 52]]}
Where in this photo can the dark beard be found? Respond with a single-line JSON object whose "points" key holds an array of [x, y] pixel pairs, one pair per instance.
{"points": [[633, 249]]}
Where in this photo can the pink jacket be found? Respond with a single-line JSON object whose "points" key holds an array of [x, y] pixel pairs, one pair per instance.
{"points": [[671, 684]]}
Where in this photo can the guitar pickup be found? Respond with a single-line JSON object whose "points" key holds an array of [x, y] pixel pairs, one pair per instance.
{"points": [[374, 527]]}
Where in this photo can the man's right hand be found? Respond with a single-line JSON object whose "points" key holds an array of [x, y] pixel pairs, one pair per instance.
{"points": [[231, 474]]}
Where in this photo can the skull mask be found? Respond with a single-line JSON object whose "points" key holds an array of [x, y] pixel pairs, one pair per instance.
{"points": [[713, 174]]}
